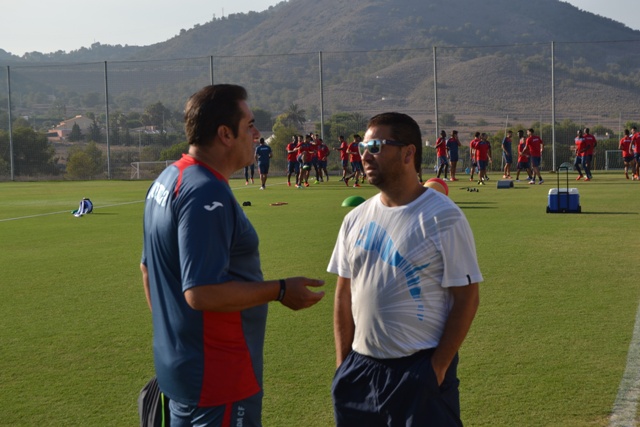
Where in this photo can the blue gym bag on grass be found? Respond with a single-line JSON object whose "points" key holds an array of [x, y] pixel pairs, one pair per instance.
{"points": [[86, 207]]}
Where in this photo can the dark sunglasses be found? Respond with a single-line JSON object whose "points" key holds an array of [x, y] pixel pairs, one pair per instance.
{"points": [[373, 146]]}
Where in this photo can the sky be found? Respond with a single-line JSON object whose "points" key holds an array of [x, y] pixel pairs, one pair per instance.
{"points": [[50, 26]]}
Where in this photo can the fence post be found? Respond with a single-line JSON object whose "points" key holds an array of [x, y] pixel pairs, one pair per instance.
{"points": [[321, 96], [106, 103], [435, 88], [553, 107], [211, 68], [10, 124]]}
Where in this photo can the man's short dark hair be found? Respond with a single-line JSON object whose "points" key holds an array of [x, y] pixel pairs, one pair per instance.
{"points": [[403, 129], [212, 107], [531, 130]]}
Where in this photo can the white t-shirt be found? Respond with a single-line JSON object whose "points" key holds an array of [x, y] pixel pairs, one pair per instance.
{"points": [[401, 262]]}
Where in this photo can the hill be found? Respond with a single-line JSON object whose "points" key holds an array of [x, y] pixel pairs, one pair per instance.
{"points": [[333, 25], [379, 54], [309, 26]]}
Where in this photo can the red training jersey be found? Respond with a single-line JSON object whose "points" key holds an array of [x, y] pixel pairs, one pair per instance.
{"points": [[344, 150], [441, 147], [635, 141], [473, 141], [589, 144], [354, 153], [482, 150], [535, 144], [579, 146], [292, 146], [305, 148], [625, 146], [322, 152], [522, 158]]}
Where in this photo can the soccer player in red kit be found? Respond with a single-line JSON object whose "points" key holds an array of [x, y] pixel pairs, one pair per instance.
{"points": [[482, 150], [635, 142], [589, 144], [356, 160], [535, 145], [472, 152], [344, 156], [441, 152], [322, 151], [292, 162], [627, 155]]}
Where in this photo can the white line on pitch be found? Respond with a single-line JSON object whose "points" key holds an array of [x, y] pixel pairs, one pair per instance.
{"points": [[67, 211], [108, 206], [626, 404]]}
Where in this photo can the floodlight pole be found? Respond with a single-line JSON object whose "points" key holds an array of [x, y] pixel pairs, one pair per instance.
{"points": [[435, 87], [321, 96], [211, 68], [106, 103], [10, 120], [553, 106]]}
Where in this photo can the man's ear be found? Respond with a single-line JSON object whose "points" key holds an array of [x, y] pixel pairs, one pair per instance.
{"points": [[411, 152], [225, 135]]}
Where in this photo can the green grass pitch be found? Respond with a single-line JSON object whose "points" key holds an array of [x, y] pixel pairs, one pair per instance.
{"points": [[548, 346]]}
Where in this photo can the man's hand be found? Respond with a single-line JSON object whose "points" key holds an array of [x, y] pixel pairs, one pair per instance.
{"points": [[465, 305], [297, 295]]}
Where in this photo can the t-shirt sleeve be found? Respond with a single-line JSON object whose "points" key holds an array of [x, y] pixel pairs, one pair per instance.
{"points": [[459, 255], [338, 263], [205, 234]]}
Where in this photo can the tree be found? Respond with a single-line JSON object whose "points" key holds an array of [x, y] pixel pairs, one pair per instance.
{"points": [[344, 124], [94, 131], [175, 151], [155, 115], [282, 132], [5, 169], [4, 118], [602, 131], [32, 153], [76, 133], [21, 122], [87, 163], [263, 119], [92, 100], [294, 116], [134, 120], [448, 119]]}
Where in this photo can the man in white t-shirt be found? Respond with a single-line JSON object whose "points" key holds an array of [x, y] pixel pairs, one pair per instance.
{"points": [[407, 290]]}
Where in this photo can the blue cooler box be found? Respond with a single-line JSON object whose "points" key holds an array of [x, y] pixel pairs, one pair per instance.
{"points": [[563, 200]]}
